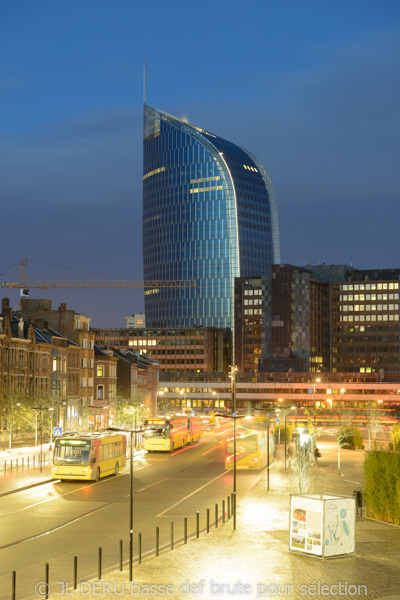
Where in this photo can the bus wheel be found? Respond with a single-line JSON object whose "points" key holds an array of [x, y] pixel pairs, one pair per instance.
{"points": [[97, 475], [116, 469]]}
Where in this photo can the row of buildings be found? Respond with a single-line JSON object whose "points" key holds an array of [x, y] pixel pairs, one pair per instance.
{"points": [[330, 318], [49, 358]]}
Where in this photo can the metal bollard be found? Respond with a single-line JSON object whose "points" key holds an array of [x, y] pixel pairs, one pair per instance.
{"points": [[5, 467], [208, 520], [99, 566], [121, 555], [22, 463], [216, 516], [185, 529], [14, 584], [139, 548], [157, 541], [28, 462], [17, 465], [197, 524], [46, 579], [223, 511], [229, 507], [33, 459], [172, 535], [75, 572], [11, 467]]}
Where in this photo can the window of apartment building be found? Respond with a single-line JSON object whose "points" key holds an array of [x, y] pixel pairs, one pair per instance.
{"points": [[83, 382], [83, 363], [90, 382], [91, 345], [100, 392], [100, 370], [84, 344]]}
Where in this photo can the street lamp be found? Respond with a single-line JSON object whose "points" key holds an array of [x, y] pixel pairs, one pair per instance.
{"points": [[233, 416], [131, 432], [285, 411], [216, 394], [315, 382], [39, 408], [159, 393]]}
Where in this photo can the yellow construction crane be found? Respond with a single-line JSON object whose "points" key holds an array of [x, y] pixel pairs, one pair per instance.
{"points": [[96, 283]]}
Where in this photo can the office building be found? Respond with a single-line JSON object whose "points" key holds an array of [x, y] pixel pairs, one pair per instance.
{"points": [[194, 349], [209, 215]]}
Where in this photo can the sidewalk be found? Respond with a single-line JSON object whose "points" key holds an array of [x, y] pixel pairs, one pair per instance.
{"points": [[255, 562], [12, 482]]}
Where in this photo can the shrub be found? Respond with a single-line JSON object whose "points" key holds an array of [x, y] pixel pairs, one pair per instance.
{"points": [[351, 437], [382, 485], [395, 433]]}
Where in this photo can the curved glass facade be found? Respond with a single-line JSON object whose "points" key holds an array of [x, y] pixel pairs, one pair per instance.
{"points": [[209, 214]]}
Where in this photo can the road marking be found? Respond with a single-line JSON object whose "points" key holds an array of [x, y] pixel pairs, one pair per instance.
{"points": [[188, 496], [349, 481], [211, 449]]}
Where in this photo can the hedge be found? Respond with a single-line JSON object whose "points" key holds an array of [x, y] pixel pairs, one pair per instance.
{"points": [[382, 485]]}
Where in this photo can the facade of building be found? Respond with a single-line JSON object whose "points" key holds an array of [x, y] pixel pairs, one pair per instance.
{"points": [[137, 321], [329, 394], [104, 389], [295, 321], [137, 381], [209, 215], [248, 322], [193, 349], [365, 322]]}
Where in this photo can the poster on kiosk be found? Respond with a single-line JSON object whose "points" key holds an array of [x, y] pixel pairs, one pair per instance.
{"points": [[322, 525]]}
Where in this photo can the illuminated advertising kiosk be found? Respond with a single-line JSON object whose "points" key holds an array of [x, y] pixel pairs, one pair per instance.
{"points": [[322, 525]]}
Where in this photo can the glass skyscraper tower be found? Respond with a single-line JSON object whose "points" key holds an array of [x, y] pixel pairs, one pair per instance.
{"points": [[209, 214]]}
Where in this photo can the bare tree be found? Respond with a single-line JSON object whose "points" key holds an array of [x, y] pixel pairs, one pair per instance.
{"points": [[373, 414], [301, 471]]}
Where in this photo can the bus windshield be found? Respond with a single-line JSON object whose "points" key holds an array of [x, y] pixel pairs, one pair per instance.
{"points": [[160, 432], [68, 453]]}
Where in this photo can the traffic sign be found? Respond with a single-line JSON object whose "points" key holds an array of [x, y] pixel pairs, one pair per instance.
{"points": [[57, 431]]}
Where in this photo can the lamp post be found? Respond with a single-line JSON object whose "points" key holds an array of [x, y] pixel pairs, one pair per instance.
{"points": [[131, 432], [315, 382], [216, 394], [285, 411], [41, 409], [159, 393], [233, 416]]}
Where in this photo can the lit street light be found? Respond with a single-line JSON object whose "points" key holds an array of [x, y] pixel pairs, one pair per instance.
{"points": [[315, 382], [39, 408], [131, 432]]}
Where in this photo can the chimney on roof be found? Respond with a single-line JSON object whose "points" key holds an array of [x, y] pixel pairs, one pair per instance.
{"points": [[6, 308], [45, 324], [1, 325], [39, 323], [63, 307]]}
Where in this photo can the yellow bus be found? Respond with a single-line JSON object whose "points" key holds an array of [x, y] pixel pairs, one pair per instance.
{"points": [[195, 429], [165, 434], [251, 449], [88, 456]]}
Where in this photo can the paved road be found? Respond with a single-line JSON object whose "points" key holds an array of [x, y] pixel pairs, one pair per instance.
{"points": [[55, 521]]}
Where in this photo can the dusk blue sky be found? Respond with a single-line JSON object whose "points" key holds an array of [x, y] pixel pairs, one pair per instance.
{"points": [[311, 87]]}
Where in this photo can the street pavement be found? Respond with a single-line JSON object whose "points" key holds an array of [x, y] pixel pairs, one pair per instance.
{"points": [[254, 561]]}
